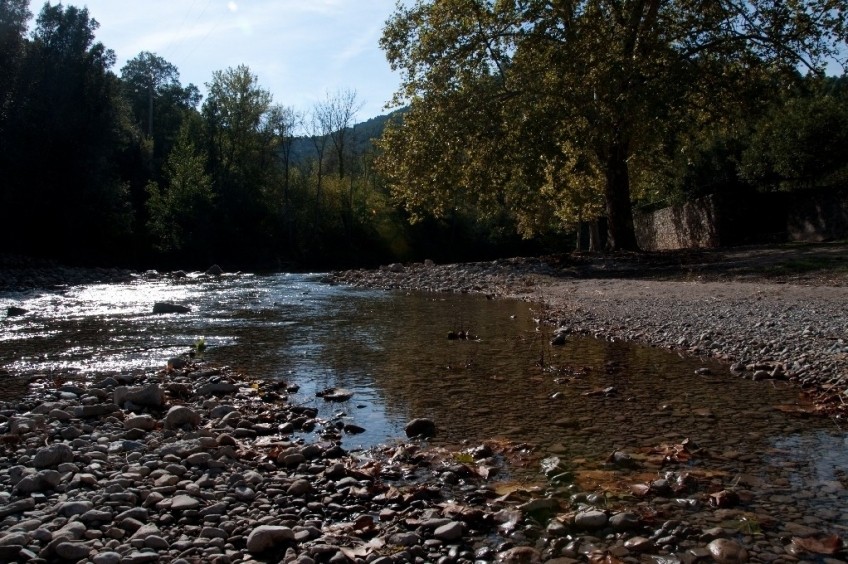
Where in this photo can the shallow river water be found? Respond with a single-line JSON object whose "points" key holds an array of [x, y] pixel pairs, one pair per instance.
{"points": [[391, 350]]}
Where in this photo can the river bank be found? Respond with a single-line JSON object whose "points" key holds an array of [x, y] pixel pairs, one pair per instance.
{"points": [[200, 464], [756, 310]]}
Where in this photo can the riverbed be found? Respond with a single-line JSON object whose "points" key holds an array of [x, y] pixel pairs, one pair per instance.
{"points": [[504, 380]]}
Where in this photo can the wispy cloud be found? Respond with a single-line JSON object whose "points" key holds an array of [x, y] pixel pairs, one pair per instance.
{"points": [[299, 49]]}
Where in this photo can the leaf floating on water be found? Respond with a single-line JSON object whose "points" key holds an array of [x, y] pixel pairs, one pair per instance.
{"points": [[792, 409], [827, 545]]}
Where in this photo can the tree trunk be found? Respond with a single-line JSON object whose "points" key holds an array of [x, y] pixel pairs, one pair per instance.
{"points": [[622, 234], [594, 237]]}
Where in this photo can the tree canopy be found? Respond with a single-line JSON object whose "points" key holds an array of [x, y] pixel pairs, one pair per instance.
{"points": [[548, 107]]}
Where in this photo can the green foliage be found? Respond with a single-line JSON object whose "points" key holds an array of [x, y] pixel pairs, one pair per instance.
{"points": [[179, 212], [801, 143], [521, 105]]}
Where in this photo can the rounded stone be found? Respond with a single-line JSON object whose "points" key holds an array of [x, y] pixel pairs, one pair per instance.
{"points": [[53, 455], [450, 532], [72, 550], [591, 520], [726, 551], [266, 536], [421, 427], [180, 415]]}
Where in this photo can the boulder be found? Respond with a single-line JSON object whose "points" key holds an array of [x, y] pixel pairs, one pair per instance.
{"points": [[14, 311], [143, 422], [165, 307]]}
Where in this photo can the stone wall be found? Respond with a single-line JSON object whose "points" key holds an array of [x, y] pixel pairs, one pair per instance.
{"points": [[691, 225], [807, 215]]}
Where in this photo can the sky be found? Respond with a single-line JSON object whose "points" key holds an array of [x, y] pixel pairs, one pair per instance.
{"points": [[300, 50]]}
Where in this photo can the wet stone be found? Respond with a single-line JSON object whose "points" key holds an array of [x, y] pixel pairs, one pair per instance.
{"points": [[726, 551], [591, 520]]}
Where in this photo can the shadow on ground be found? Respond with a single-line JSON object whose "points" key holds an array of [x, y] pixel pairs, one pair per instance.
{"points": [[800, 263]]}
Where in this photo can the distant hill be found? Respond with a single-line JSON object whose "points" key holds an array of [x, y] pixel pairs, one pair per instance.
{"points": [[361, 135]]}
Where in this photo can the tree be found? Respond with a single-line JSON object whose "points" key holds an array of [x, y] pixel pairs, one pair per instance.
{"points": [[64, 136], [179, 211], [604, 80], [235, 115], [284, 123], [337, 114], [14, 15], [149, 77], [802, 142]]}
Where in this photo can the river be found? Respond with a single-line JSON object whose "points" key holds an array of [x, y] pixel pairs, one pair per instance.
{"points": [[506, 382]]}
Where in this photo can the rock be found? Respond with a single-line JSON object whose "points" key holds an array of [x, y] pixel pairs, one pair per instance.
{"points": [[335, 394], [71, 508], [520, 555], [539, 504], [72, 550], [15, 311], [180, 415], [146, 531], [405, 539], [96, 410], [107, 558], [421, 427], [591, 520], [148, 396], [299, 488], [96, 516], [19, 506], [639, 544], [264, 537], [216, 388], [726, 551], [184, 502], [165, 307], [17, 538], [176, 363], [141, 558], [450, 532], [53, 455], [624, 521], [143, 422]]}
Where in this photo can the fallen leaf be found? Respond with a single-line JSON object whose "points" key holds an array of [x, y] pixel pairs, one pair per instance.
{"points": [[640, 489], [599, 557], [827, 545]]}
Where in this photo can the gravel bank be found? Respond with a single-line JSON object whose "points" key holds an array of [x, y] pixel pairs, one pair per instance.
{"points": [[199, 464], [761, 329]]}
